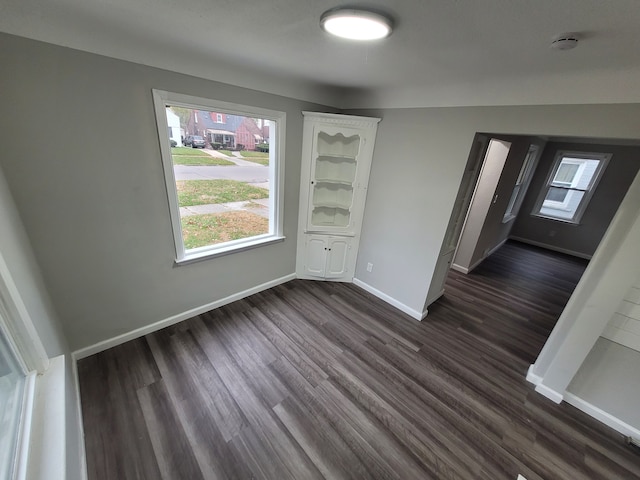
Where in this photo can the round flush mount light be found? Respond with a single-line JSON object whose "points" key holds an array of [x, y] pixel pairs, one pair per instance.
{"points": [[566, 41], [356, 24]]}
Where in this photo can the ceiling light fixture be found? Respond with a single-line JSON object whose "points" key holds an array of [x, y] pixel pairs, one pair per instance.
{"points": [[356, 24], [565, 41]]}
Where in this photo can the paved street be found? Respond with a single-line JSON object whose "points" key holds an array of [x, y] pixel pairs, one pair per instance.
{"points": [[250, 174], [243, 171]]}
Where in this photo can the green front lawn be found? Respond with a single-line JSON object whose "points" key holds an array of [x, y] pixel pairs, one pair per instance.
{"points": [[257, 157], [210, 229], [205, 192], [200, 160], [228, 153], [195, 156], [191, 152]]}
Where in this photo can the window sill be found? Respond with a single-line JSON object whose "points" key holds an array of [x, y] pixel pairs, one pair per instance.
{"points": [[42, 447], [206, 253], [508, 218], [560, 220]]}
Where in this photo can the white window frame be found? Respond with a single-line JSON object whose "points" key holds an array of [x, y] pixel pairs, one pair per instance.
{"points": [[40, 412], [522, 183], [579, 159], [219, 118], [161, 99]]}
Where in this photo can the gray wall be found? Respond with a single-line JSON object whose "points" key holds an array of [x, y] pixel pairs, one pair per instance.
{"points": [[584, 238], [418, 162], [82, 159]]}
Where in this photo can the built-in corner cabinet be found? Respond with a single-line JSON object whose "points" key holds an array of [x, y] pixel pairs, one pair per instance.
{"points": [[336, 160]]}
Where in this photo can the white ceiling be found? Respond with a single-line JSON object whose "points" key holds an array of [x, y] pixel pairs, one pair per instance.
{"points": [[442, 52]]}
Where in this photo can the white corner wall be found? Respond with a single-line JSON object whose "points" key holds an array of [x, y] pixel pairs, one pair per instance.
{"points": [[614, 268], [609, 382]]}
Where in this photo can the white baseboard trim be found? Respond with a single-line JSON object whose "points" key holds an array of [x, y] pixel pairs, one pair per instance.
{"points": [[599, 414], [76, 388], [495, 249], [543, 389], [532, 377], [142, 331], [390, 300], [466, 270], [478, 262], [459, 268], [549, 393], [431, 300], [551, 247]]}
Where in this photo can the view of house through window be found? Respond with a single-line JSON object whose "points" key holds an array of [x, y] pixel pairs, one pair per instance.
{"points": [[224, 175], [570, 185]]}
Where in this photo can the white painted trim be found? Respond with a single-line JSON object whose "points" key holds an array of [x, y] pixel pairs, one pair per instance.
{"points": [[142, 331], [80, 420], [495, 249], [390, 300], [459, 268], [465, 270], [520, 477], [24, 435], [431, 300], [532, 377], [277, 135], [549, 393], [47, 443], [16, 321], [551, 247], [599, 414]]}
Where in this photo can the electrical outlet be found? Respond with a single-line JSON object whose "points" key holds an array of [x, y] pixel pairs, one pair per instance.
{"points": [[369, 267]]}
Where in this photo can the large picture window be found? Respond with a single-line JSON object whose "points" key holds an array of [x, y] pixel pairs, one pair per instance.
{"points": [[223, 166], [570, 185]]}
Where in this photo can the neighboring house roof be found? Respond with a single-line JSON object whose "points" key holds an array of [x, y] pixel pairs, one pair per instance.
{"points": [[206, 121], [220, 132], [252, 127]]}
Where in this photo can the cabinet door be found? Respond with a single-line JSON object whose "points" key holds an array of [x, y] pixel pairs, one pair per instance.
{"points": [[315, 256], [337, 257]]}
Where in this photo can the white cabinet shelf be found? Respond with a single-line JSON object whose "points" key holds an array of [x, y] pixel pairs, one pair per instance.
{"points": [[336, 159]]}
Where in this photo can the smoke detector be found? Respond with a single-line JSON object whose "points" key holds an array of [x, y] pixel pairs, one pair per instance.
{"points": [[565, 41]]}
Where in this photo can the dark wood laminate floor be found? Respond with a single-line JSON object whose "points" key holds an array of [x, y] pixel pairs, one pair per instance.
{"points": [[314, 380]]}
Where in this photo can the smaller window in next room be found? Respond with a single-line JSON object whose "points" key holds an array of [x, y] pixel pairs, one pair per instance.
{"points": [[224, 183], [572, 180], [522, 182]]}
